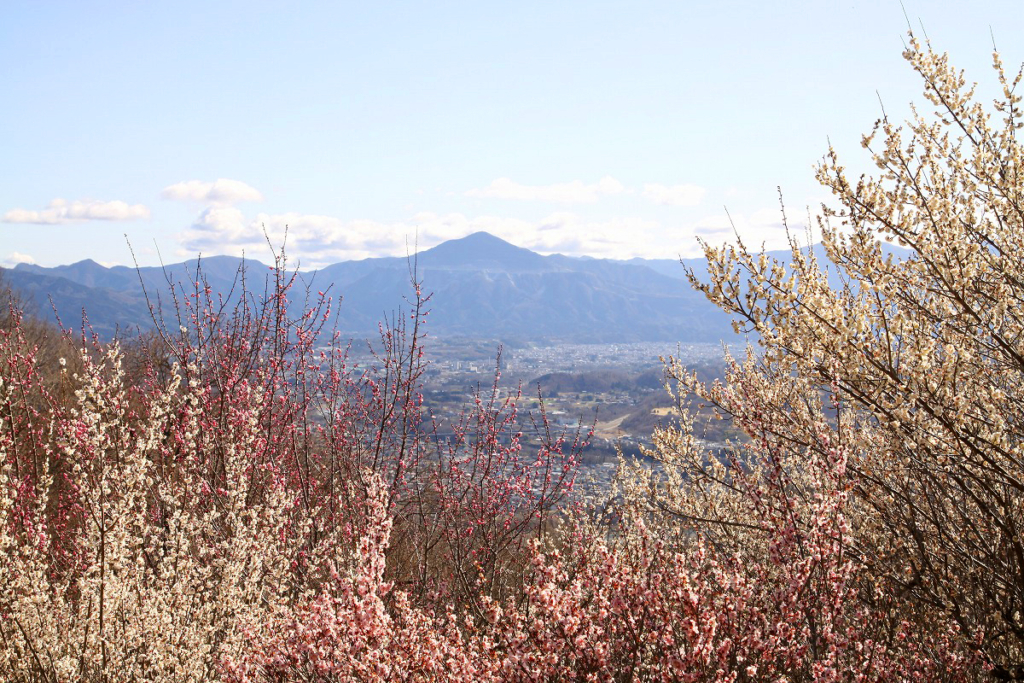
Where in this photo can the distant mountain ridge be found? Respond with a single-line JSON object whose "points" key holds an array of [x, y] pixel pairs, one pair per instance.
{"points": [[481, 286]]}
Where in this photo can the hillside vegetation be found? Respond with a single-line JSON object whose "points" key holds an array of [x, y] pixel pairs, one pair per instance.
{"points": [[232, 500]]}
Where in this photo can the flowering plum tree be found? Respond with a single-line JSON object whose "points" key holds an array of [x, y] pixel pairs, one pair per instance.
{"points": [[155, 526], [920, 360]]}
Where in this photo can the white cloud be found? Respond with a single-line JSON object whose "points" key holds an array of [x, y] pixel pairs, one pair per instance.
{"points": [[61, 211], [220, 191], [762, 227], [674, 195], [562, 232], [222, 230], [575, 192], [14, 258], [314, 240], [718, 225], [227, 222], [621, 237], [317, 240]]}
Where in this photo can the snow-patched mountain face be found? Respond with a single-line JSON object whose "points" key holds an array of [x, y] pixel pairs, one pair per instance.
{"points": [[480, 286]]}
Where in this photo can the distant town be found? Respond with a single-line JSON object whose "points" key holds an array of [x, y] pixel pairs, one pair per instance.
{"points": [[617, 390]]}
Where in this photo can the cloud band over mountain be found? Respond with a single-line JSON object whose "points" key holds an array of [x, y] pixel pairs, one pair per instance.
{"points": [[60, 211]]}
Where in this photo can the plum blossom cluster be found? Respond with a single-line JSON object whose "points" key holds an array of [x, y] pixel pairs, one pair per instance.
{"points": [[164, 505], [912, 364]]}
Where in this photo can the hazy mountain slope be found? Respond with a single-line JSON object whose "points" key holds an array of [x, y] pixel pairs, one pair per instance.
{"points": [[59, 299], [483, 286], [480, 285]]}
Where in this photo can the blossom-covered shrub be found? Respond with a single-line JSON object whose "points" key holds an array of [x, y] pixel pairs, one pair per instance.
{"points": [[154, 524]]}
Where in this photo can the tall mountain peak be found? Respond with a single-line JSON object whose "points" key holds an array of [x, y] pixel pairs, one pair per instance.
{"points": [[482, 249]]}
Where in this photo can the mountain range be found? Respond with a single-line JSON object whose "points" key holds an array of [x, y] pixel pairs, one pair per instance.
{"points": [[480, 286]]}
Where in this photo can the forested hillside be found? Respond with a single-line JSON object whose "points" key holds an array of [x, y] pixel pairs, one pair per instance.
{"points": [[480, 286]]}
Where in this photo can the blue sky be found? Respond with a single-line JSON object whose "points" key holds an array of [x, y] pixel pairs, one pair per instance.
{"points": [[614, 129]]}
